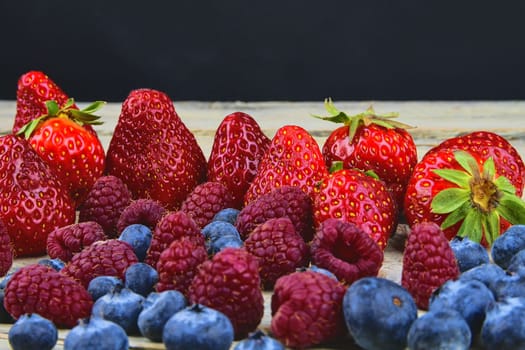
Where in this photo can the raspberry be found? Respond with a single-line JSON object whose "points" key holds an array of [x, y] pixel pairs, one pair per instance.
{"points": [[6, 250], [105, 202], [64, 242], [41, 289], [287, 201], [206, 200], [172, 226], [178, 264], [279, 249], [428, 262], [230, 283], [307, 309], [346, 250], [141, 211], [103, 258]]}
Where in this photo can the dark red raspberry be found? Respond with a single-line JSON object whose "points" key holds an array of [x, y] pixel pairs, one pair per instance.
{"points": [[41, 289], [287, 201], [279, 249], [307, 309], [103, 258], [206, 200], [105, 202], [6, 250], [142, 211], [172, 226], [428, 262], [64, 242], [230, 283], [346, 250], [178, 264]]}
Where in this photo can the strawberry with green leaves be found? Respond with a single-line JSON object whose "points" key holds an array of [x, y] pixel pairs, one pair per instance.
{"points": [[370, 141], [61, 138]]}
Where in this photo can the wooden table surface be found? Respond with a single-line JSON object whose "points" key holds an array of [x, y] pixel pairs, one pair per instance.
{"points": [[433, 121]]}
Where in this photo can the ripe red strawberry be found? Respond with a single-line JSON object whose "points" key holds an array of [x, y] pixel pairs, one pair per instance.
{"points": [[152, 150], [59, 136], [105, 202], [6, 250], [465, 192], [369, 141], [41, 289], [294, 158], [428, 262], [206, 200], [102, 258], [353, 196], [279, 249], [307, 309], [65, 241], [33, 202], [230, 283], [238, 147], [147, 212]]}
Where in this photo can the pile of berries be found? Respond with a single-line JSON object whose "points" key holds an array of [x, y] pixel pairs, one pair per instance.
{"points": [[179, 249]]}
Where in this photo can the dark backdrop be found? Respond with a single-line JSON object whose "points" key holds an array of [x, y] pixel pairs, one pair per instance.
{"points": [[272, 50]]}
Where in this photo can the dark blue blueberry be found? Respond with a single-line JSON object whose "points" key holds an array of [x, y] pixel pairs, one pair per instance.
{"points": [[512, 285], [157, 310], [56, 263], [198, 327], [378, 313], [508, 244], [139, 236], [469, 298], [468, 253], [220, 234], [504, 328], [517, 262], [141, 278], [32, 331], [326, 272], [442, 329], [224, 242], [96, 333], [121, 306], [488, 274], [259, 340], [102, 285], [5, 317], [227, 215]]}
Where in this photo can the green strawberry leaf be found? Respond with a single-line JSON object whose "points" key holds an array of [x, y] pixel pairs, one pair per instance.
{"points": [[458, 177], [95, 106], [449, 200], [512, 209], [52, 107], [505, 185], [491, 226], [28, 128], [489, 169], [466, 161], [372, 174], [456, 216], [336, 166], [330, 107], [472, 226]]}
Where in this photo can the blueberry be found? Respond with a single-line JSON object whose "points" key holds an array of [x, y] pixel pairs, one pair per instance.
{"points": [[198, 327], [157, 310], [102, 285], [468, 253], [5, 317], [139, 237], [121, 306], [378, 313], [508, 244], [517, 261], [141, 278], [504, 327], [56, 263], [227, 215], [469, 298], [220, 234], [259, 340], [326, 272], [224, 242], [442, 329], [488, 274], [512, 285], [32, 331], [96, 333]]}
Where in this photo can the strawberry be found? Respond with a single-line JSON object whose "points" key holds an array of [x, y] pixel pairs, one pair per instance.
{"points": [[356, 197], [465, 192], [370, 141], [293, 158], [238, 147], [153, 152], [34, 201], [60, 138]]}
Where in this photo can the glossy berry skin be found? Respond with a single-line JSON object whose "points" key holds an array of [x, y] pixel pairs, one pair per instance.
{"points": [[96, 333], [503, 327], [102, 285], [293, 159], [6, 250], [508, 244], [238, 146], [468, 253], [258, 340], [34, 201], [198, 327], [55, 263], [139, 237], [378, 313], [153, 152], [353, 196], [141, 278], [64, 242], [220, 234], [32, 331]]}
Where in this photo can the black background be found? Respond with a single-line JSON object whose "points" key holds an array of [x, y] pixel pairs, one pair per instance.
{"points": [[281, 50]]}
